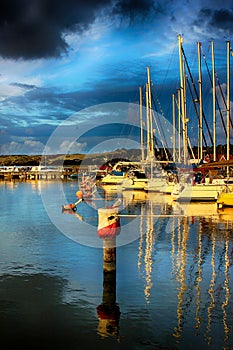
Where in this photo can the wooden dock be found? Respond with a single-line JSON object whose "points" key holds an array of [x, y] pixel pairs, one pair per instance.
{"points": [[66, 173]]}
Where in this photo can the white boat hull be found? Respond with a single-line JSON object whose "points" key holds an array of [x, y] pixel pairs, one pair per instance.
{"points": [[199, 192], [131, 184]]}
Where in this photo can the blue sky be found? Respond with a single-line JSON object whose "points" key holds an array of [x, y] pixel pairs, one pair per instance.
{"points": [[58, 58]]}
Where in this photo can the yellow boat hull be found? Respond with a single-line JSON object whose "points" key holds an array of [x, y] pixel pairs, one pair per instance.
{"points": [[225, 200]]}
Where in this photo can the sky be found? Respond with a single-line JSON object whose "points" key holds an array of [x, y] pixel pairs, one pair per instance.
{"points": [[66, 58]]}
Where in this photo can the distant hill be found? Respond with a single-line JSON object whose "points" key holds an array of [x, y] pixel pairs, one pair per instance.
{"points": [[69, 159]]}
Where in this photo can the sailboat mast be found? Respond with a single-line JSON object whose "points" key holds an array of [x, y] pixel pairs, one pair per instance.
{"points": [[141, 124], [200, 140], [179, 126], [183, 98], [150, 114], [214, 101], [228, 101], [147, 123], [173, 128]]}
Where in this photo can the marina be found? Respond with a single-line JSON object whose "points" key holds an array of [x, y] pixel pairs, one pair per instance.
{"points": [[116, 175], [42, 172], [164, 281]]}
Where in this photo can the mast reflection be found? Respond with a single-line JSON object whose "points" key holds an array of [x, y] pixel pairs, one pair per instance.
{"points": [[227, 291], [181, 274], [199, 278], [211, 290], [148, 254], [201, 258]]}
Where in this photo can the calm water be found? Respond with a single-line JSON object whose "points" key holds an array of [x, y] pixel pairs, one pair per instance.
{"points": [[173, 273]]}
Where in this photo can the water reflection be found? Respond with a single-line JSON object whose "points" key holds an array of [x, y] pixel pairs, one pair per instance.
{"points": [[108, 311], [225, 303], [181, 262], [193, 261], [145, 254], [211, 290], [198, 279], [34, 315], [170, 288], [199, 268]]}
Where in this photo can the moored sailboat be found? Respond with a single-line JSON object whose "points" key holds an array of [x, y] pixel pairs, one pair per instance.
{"points": [[135, 180], [119, 173], [225, 198], [197, 192]]}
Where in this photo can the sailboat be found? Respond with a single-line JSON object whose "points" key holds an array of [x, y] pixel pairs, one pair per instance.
{"points": [[216, 189], [198, 192], [135, 180], [120, 171], [225, 198]]}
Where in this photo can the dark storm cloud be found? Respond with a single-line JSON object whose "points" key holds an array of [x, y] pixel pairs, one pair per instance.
{"points": [[134, 9], [36, 28], [223, 19], [218, 19]]}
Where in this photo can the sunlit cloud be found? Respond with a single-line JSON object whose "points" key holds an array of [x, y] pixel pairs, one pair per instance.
{"points": [[67, 147], [28, 147]]}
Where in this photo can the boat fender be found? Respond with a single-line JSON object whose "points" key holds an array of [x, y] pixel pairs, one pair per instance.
{"points": [[79, 194]]}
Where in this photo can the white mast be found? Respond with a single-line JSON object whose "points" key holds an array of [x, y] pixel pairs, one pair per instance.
{"points": [[228, 101], [228, 104], [183, 101], [179, 126], [147, 124], [141, 124], [173, 128], [151, 133], [214, 101], [200, 142]]}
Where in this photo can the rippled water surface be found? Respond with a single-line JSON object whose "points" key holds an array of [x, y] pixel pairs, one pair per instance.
{"points": [[172, 287]]}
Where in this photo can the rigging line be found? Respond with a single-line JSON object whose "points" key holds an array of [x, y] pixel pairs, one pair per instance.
{"points": [[124, 128], [170, 61], [155, 138], [160, 126], [224, 100], [188, 138], [190, 146], [171, 56], [164, 148], [155, 120], [159, 118], [156, 143], [195, 90], [179, 131], [160, 107], [209, 75], [195, 108], [144, 104]]}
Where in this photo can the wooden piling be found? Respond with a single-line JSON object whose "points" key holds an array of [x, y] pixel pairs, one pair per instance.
{"points": [[108, 311]]}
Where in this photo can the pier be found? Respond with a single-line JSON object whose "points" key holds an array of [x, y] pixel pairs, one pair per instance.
{"points": [[34, 173]]}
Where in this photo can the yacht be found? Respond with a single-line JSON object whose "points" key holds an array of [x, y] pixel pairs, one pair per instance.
{"points": [[119, 173]]}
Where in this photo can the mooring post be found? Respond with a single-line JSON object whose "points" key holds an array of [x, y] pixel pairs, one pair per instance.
{"points": [[109, 254], [108, 311]]}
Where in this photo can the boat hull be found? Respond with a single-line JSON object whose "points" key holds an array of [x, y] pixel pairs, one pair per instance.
{"points": [[225, 200], [136, 184], [198, 193], [112, 180], [155, 185]]}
